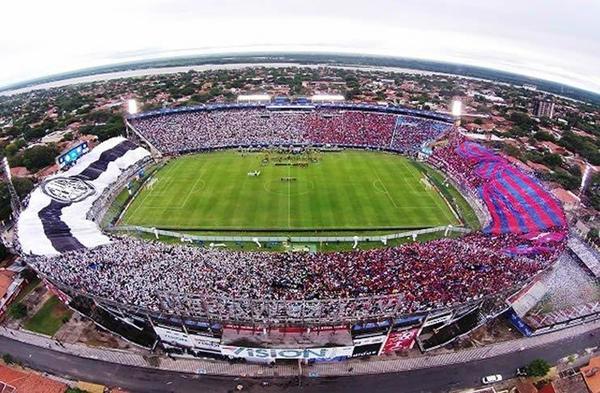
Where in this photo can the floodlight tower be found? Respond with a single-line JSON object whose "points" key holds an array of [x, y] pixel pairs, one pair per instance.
{"points": [[130, 132], [15, 202], [132, 106], [132, 109], [584, 179], [456, 111]]}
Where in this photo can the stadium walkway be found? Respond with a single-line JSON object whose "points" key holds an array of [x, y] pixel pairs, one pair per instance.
{"points": [[353, 367]]}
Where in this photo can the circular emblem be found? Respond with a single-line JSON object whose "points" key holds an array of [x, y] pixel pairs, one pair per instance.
{"points": [[68, 189]]}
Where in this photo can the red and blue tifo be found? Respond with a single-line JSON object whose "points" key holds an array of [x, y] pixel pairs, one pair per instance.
{"points": [[517, 202]]}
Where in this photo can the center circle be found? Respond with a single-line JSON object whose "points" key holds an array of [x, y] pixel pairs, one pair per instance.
{"points": [[289, 187]]}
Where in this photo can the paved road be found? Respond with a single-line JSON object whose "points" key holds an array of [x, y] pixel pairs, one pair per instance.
{"points": [[439, 379]]}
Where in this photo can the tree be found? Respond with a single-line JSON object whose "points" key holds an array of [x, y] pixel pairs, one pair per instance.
{"points": [[12, 148], [23, 186], [592, 191], [5, 208], [551, 160], [8, 359], [538, 368], [544, 136], [588, 148], [593, 235], [18, 311], [523, 121], [564, 178], [108, 125], [38, 157]]}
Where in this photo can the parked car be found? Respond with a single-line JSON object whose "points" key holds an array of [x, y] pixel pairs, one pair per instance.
{"points": [[491, 379]]}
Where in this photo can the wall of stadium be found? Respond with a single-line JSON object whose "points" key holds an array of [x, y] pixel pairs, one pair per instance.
{"points": [[192, 335]]}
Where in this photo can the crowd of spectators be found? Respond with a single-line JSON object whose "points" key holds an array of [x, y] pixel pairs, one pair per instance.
{"points": [[411, 133], [197, 130], [516, 201], [460, 169], [433, 274]]}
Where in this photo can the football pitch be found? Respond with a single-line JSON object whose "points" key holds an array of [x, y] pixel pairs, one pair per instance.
{"points": [[326, 191]]}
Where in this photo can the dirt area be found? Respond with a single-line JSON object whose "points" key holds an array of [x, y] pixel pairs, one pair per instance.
{"points": [[493, 332], [81, 330]]}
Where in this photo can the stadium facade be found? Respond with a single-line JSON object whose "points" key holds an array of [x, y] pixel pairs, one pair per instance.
{"points": [[63, 216]]}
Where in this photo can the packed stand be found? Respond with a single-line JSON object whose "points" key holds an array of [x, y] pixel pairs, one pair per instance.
{"points": [[349, 128], [197, 130], [517, 201], [433, 274], [411, 133]]}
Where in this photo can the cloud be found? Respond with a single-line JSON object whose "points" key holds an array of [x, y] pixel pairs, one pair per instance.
{"points": [[550, 39]]}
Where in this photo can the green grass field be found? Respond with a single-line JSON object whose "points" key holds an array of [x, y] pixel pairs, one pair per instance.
{"points": [[49, 318], [343, 190]]}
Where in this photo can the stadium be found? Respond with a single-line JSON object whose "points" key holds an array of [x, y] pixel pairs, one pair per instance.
{"points": [[316, 230]]}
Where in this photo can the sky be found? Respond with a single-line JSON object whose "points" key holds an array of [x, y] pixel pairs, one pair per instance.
{"points": [[558, 40]]}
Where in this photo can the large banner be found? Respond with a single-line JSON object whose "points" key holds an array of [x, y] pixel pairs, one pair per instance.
{"points": [[402, 340], [195, 341], [55, 220], [206, 343], [277, 353]]}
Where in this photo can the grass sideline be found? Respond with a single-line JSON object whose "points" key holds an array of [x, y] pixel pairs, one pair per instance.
{"points": [[453, 196], [279, 247], [49, 318], [352, 189]]}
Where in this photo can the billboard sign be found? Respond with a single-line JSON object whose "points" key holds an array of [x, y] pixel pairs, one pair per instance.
{"points": [[400, 340], [519, 324], [195, 341], [296, 353], [368, 346], [173, 336], [366, 350], [206, 343]]}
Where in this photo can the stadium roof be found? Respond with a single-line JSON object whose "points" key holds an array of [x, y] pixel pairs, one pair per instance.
{"points": [[528, 298]]}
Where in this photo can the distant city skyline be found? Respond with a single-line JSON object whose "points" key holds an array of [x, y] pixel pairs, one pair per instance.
{"points": [[552, 40]]}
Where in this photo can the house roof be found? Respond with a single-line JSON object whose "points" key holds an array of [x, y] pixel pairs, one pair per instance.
{"points": [[29, 382], [566, 197], [553, 147], [547, 389], [6, 278], [47, 171], [19, 171], [538, 167], [591, 374], [525, 386], [572, 384]]}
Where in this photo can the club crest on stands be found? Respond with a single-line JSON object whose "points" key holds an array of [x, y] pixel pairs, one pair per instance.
{"points": [[68, 189]]}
